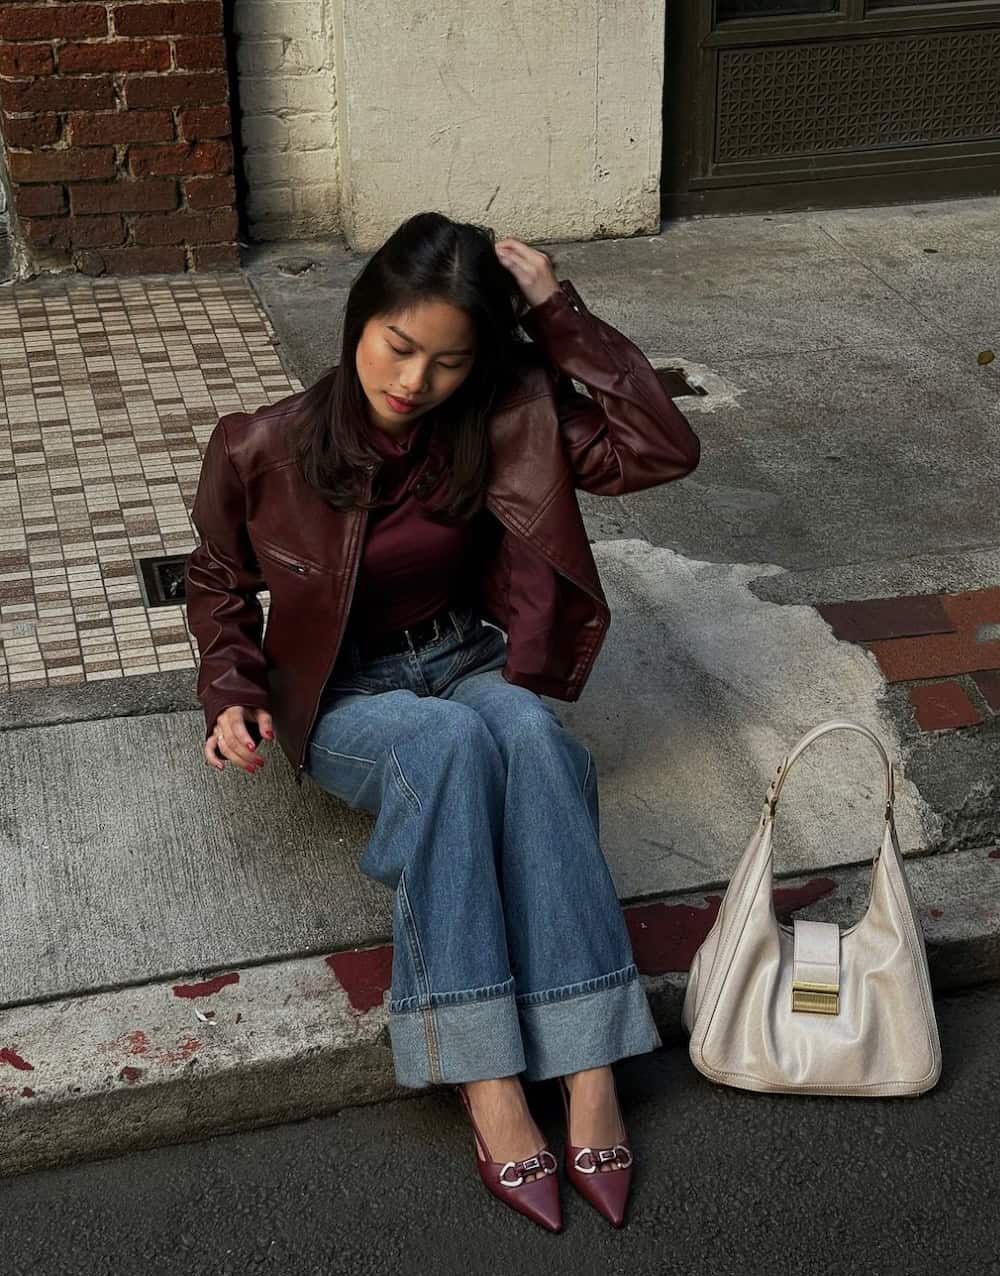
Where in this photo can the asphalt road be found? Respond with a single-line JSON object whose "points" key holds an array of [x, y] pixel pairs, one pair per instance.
{"points": [[728, 1183]]}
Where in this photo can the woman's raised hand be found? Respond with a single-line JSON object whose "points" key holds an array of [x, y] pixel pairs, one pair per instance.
{"points": [[230, 740], [530, 267]]}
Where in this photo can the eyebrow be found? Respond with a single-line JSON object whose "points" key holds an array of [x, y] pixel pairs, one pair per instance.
{"points": [[406, 337]]}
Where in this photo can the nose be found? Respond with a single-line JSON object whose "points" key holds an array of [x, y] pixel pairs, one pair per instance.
{"points": [[413, 378]]}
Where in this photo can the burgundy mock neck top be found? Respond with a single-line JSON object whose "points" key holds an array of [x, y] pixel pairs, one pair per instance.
{"points": [[414, 563]]}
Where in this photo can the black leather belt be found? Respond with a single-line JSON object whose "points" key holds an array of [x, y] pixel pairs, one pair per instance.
{"points": [[400, 641]]}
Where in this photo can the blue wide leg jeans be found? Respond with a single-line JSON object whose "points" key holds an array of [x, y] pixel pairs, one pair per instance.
{"points": [[511, 953]]}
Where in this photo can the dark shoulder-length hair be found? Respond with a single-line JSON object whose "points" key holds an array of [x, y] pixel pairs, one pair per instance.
{"points": [[429, 258]]}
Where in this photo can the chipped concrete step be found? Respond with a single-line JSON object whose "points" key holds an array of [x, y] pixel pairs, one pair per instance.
{"points": [[168, 1062], [167, 866]]}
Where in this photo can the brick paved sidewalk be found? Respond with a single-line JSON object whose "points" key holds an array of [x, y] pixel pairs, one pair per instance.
{"points": [[945, 648], [108, 392]]}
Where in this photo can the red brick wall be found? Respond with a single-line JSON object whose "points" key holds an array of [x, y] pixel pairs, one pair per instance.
{"points": [[115, 119]]}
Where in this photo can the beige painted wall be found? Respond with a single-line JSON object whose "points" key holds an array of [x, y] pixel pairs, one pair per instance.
{"points": [[287, 81], [541, 117]]}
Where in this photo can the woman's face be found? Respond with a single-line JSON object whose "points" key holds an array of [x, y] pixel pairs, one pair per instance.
{"points": [[411, 360]]}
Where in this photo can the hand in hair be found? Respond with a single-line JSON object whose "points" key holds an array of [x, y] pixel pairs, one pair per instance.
{"points": [[531, 268], [231, 741]]}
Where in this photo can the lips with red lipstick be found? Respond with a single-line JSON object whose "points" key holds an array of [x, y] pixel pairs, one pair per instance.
{"points": [[402, 406]]}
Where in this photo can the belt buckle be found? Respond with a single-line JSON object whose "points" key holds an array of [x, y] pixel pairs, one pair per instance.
{"points": [[413, 640]]}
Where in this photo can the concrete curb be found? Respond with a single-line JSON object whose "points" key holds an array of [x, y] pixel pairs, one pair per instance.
{"points": [[113, 1072], [144, 693]]}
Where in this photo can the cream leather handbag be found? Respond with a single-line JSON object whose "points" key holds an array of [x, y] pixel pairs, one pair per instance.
{"points": [[811, 1008]]}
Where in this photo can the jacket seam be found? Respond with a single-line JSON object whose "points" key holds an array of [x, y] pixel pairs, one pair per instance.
{"points": [[268, 467], [514, 525]]}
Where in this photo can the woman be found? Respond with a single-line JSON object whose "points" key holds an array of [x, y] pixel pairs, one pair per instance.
{"points": [[414, 503]]}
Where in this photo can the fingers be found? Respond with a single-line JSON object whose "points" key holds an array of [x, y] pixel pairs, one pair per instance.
{"points": [[530, 267], [232, 741], [519, 258], [265, 722], [517, 248], [513, 253], [211, 754]]}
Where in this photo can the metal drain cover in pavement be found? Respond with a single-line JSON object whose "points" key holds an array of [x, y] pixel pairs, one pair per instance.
{"points": [[163, 580], [676, 384]]}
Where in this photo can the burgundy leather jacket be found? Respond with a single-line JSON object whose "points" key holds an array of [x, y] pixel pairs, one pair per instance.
{"points": [[263, 527]]}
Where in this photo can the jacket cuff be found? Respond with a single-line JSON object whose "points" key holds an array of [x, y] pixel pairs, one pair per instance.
{"points": [[214, 703], [563, 307]]}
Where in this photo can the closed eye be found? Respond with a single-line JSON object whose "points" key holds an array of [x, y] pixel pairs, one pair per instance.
{"points": [[403, 353]]}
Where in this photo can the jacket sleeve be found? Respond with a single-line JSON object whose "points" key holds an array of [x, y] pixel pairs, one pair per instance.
{"points": [[628, 435], [223, 580]]}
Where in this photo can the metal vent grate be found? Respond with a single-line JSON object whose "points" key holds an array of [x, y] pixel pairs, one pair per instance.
{"points": [[676, 384], [163, 580]]}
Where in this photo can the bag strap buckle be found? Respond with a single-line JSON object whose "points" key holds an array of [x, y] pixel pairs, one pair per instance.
{"points": [[816, 968]]}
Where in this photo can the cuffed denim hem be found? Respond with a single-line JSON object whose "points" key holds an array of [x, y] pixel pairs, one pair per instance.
{"points": [[615, 979], [491, 992], [588, 1029], [449, 1043]]}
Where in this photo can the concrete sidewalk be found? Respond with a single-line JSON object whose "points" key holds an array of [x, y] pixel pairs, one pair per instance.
{"points": [[187, 953]]}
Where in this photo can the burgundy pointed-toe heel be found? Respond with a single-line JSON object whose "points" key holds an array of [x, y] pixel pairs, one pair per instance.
{"points": [[537, 1199], [607, 1191]]}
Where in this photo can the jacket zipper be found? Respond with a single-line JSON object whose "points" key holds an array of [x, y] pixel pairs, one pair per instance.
{"points": [[359, 541], [278, 557]]}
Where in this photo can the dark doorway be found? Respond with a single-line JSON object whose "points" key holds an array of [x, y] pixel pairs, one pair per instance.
{"points": [[6, 251], [784, 104]]}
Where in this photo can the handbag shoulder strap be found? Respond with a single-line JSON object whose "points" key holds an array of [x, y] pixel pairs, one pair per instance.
{"points": [[824, 728]]}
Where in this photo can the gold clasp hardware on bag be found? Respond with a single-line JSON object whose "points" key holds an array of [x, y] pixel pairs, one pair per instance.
{"points": [[816, 999], [816, 969]]}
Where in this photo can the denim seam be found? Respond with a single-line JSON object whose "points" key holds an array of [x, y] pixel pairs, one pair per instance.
{"points": [[348, 757], [462, 661], [401, 781], [462, 997], [590, 763], [427, 1011], [473, 663], [601, 983]]}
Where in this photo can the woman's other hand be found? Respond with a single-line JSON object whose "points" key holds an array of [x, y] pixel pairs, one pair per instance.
{"points": [[230, 740], [530, 267]]}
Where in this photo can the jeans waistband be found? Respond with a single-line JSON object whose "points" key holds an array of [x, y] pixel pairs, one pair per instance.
{"points": [[449, 622]]}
